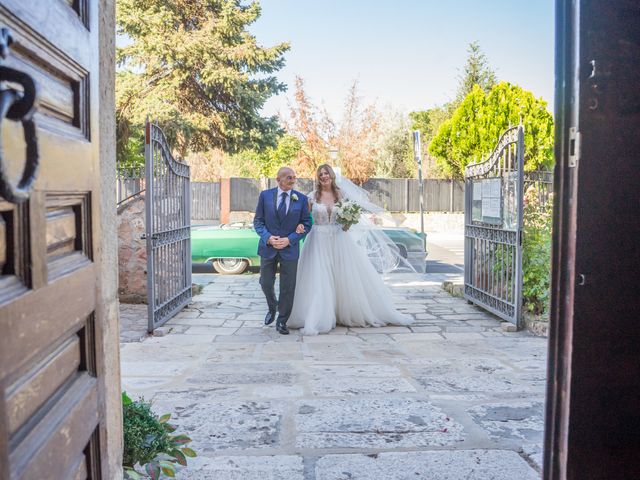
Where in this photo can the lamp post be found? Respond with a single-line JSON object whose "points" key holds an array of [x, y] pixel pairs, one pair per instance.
{"points": [[417, 155]]}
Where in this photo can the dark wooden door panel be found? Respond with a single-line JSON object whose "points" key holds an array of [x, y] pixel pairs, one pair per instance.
{"points": [[51, 400], [592, 426], [36, 321], [61, 72], [54, 447]]}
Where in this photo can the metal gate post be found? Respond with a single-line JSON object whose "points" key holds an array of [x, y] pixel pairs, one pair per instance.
{"points": [[520, 227], [148, 208]]}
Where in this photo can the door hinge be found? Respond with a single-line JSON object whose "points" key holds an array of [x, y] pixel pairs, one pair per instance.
{"points": [[574, 146]]}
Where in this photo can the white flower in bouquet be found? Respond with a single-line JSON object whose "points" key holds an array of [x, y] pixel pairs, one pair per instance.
{"points": [[347, 213]]}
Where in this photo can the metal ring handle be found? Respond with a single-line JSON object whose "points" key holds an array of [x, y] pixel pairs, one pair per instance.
{"points": [[23, 105], [18, 106], [20, 192]]}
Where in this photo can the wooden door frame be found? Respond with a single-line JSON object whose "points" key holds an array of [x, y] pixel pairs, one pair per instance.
{"points": [[563, 248], [108, 325], [591, 428]]}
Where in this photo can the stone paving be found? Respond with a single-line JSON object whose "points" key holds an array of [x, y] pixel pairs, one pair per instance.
{"points": [[451, 397]]}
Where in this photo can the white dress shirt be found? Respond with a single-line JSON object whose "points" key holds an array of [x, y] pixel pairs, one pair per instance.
{"points": [[287, 199]]}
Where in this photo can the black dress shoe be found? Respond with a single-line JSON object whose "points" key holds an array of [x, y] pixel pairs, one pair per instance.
{"points": [[269, 318], [282, 328]]}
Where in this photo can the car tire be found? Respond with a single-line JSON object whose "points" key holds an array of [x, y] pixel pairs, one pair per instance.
{"points": [[230, 266]]}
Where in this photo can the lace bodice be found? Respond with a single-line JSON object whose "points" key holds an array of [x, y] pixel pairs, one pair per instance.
{"points": [[323, 214]]}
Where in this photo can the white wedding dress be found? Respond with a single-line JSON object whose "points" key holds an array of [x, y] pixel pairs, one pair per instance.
{"points": [[336, 283]]}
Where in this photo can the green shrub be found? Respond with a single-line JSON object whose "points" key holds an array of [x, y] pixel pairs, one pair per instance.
{"points": [[536, 252], [144, 436], [148, 442]]}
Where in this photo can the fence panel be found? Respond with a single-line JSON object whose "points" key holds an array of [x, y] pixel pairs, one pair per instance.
{"points": [[392, 194], [129, 182], [388, 193], [244, 194], [458, 196], [205, 201]]}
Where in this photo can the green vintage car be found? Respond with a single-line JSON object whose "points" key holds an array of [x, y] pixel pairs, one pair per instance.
{"points": [[232, 248]]}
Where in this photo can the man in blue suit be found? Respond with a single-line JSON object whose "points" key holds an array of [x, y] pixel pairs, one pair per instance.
{"points": [[280, 210]]}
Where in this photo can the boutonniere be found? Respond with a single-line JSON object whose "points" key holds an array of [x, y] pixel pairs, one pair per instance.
{"points": [[294, 197]]}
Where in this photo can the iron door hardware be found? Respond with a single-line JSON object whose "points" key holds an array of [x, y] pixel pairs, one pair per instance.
{"points": [[574, 147], [19, 106]]}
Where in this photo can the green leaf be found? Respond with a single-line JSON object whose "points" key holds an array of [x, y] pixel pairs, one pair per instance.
{"points": [[180, 458], [189, 452], [126, 400], [164, 418], [168, 469], [131, 474], [153, 470], [180, 439], [168, 427]]}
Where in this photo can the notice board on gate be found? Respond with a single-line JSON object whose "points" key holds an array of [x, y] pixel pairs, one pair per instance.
{"points": [[487, 201]]}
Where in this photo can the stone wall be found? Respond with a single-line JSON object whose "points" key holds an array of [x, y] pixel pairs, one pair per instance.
{"points": [[132, 253]]}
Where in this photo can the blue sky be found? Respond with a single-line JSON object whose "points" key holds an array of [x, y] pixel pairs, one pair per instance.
{"points": [[406, 53]]}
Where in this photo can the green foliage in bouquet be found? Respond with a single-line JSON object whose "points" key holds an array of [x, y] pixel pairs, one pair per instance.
{"points": [[347, 213], [149, 443]]}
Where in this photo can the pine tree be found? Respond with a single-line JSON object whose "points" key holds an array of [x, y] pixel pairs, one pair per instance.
{"points": [[476, 72], [192, 65]]}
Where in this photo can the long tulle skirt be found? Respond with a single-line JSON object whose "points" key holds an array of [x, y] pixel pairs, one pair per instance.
{"points": [[336, 284]]}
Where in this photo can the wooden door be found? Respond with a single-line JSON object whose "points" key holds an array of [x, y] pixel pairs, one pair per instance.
{"points": [[52, 388], [592, 420]]}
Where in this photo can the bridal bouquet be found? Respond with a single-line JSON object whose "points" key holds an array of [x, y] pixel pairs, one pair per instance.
{"points": [[347, 213]]}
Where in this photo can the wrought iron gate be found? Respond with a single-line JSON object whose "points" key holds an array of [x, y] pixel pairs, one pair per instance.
{"points": [[168, 229], [493, 228]]}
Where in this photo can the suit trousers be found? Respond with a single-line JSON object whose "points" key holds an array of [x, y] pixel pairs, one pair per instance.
{"points": [[288, 272]]}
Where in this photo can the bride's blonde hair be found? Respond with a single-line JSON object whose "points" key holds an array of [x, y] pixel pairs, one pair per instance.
{"points": [[334, 187]]}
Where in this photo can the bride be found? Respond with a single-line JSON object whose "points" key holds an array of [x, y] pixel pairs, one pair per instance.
{"points": [[336, 281]]}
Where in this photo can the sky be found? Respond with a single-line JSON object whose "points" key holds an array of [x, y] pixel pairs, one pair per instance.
{"points": [[405, 54]]}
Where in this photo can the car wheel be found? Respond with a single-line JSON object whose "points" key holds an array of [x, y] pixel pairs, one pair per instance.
{"points": [[230, 266]]}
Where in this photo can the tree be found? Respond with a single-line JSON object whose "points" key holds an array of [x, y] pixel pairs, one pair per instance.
{"points": [[428, 122], [267, 163], [394, 158], [313, 128], [476, 125], [476, 72], [357, 137], [193, 66]]}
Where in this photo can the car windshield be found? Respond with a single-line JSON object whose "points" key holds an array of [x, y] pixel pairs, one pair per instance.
{"points": [[236, 226]]}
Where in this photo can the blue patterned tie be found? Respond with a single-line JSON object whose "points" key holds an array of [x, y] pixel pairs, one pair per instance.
{"points": [[282, 208]]}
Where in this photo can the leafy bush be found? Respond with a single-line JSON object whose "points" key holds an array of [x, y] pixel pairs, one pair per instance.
{"points": [[536, 253], [476, 125], [148, 442]]}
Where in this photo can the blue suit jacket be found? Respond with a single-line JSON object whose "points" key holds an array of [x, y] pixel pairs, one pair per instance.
{"points": [[267, 223]]}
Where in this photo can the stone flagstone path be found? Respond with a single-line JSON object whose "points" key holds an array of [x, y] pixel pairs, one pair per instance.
{"points": [[452, 397]]}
